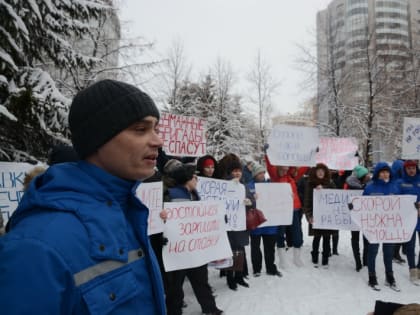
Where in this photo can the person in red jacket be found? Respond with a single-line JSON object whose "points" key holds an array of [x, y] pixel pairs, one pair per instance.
{"points": [[280, 174]]}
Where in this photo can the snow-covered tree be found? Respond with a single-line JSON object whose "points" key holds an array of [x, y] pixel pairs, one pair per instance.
{"points": [[35, 34]]}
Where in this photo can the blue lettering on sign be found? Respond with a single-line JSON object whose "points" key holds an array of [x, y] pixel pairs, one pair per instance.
{"points": [[11, 179]]}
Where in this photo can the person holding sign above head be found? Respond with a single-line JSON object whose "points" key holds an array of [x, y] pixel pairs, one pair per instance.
{"points": [[77, 243], [267, 233], [380, 185], [180, 184], [281, 174], [319, 178], [358, 180], [409, 184]]}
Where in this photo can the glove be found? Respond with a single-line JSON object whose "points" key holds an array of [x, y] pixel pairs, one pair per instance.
{"points": [[350, 205], [164, 241], [417, 205], [265, 147]]}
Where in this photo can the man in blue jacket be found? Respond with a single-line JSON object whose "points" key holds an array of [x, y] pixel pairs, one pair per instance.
{"points": [[77, 243]]}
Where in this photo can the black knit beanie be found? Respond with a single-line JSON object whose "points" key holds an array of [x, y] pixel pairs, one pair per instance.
{"points": [[104, 109]]}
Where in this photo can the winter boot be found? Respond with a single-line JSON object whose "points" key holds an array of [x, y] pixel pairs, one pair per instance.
{"points": [[373, 282], [315, 258], [297, 259], [358, 263], [281, 253], [231, 282], [390, 281], [325, 259], [414, 277]]}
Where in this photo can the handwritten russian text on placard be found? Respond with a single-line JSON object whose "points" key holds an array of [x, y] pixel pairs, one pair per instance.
{"points": [[385, 219], [196, 233], [331, 209], [292, 145], [231, 193], [182, 135], [152, 196]]}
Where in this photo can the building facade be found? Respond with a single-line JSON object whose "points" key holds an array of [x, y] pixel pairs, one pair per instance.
{"points": [[368, 53]]}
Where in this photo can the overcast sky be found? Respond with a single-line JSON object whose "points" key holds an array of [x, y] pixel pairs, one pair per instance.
{"points": [[233, 30]]}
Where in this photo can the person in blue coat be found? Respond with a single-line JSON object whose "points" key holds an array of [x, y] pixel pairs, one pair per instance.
{"points": [[267, 233], [409, 184], [77, 243], [380, 185]]}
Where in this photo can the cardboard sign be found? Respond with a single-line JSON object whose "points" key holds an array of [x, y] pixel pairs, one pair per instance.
{"points": [[231, 193], [276, 201], [11, 186], [292, 145], [151, 195], [331, 211], [337, 153], [385, 219], [411, 139], [182, 135], [196, 233]]}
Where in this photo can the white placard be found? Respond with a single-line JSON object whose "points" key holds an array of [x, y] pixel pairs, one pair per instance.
{"points": [[331, 210], [411, 139], [196, 233], [275, 200], [182, 135], [231, 193], [12, 176], [292, 145], [337, 153], [151, 195], [385, 219]]}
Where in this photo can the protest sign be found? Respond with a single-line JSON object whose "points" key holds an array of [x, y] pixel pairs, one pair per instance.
{"points": [[411, 139], [385, 219], [182, 135], [276, 201], [292, 145], [11, 186], [337, 153], [231, 193], [196, 233], [151, 195], [331, 210]]}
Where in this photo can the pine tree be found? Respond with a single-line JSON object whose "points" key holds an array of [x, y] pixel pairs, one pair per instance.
{"points": [[35, 34]]}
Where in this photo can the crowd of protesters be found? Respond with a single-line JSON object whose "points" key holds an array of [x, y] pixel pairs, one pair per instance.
{"points": [[86, 201]]}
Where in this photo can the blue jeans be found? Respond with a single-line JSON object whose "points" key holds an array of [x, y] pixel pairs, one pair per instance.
{"points": [[297, 239], [388, 251]]}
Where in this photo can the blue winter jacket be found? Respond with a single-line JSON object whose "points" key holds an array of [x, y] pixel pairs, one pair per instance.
{"points": [[378, 186], [78, 244], [265, 230], [410, 185]]}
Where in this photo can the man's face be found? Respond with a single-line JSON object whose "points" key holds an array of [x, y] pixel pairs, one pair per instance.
{"points": [[411, 170], [132, 153]]}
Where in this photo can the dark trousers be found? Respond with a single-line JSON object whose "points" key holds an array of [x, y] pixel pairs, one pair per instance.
{"points": [[326, 246], [269, 242], [410, 251], [388, 254], [355, 245], [198, 278]]}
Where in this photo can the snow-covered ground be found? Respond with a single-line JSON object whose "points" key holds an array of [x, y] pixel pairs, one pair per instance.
{"points": [[308, 290]]}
